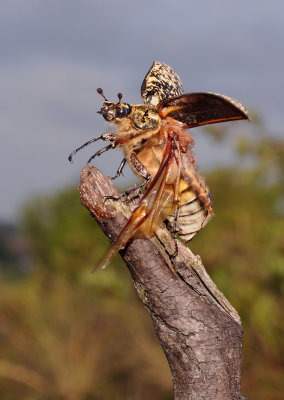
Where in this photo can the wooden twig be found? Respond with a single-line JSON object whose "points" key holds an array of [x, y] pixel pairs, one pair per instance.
{"points": [[198, 328]]}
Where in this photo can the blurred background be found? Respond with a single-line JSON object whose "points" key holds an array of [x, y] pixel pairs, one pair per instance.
{"points": [[66, 333]]}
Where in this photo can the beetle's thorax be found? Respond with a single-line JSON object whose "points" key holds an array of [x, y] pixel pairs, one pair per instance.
{"points": [[140, 116], [145, 117]]}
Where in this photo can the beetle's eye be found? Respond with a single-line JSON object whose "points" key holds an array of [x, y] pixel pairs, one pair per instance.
{"points": [[122, 112]]}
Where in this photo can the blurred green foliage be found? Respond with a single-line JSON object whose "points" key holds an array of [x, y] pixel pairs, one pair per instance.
{"points": [[66, 333]]}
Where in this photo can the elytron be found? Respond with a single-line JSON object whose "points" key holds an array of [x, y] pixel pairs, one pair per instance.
{"points": [[159, 149]]}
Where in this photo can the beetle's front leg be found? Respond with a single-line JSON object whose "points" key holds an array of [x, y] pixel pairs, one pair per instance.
{"points": [[108, 136]]}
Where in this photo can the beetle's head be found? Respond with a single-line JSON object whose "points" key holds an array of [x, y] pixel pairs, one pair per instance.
{"points": [[112, 111]]}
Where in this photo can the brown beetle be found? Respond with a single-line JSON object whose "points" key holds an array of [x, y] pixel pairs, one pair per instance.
{"points": [[159, 149]]}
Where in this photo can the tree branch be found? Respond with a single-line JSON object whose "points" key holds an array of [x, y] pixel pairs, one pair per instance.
{"points": [[198, 328]]}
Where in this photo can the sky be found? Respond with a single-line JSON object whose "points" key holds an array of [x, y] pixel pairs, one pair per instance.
{"points": [[55, 54]]}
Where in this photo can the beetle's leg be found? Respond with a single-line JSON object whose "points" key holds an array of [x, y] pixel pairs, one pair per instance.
{"points": [[120, 169], [173, 256], [175, 231], [132, 189], [176, 228], [130, 195], [99, 152], [108, 136]]}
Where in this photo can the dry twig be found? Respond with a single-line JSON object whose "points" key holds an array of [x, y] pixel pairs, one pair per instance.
{"points": [[199, 330]]}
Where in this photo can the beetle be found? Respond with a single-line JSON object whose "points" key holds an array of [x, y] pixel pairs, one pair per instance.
{"points": [[160, 151]]}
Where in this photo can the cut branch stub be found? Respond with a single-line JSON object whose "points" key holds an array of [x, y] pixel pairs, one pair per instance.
{"points": [[198, 328]]}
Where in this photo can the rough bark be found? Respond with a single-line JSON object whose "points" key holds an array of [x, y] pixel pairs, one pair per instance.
{"points": [[199, 330]]}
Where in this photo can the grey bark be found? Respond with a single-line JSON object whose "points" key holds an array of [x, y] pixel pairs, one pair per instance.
{"points": [[199, 330]]}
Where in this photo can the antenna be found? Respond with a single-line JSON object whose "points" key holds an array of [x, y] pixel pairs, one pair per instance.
{"points": [[119, 95], [100, 91]]}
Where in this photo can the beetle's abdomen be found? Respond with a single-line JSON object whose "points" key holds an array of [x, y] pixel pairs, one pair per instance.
{"points": [[193, 216], [194, 209]]}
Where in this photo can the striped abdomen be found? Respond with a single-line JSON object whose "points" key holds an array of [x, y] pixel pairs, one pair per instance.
{"points": [[195, 208]]}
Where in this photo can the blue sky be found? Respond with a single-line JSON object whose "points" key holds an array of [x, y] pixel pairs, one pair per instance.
{"points": [[54, 54]]}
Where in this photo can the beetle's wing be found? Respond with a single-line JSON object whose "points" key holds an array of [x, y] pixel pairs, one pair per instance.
{"points": [[160, 83], [157, 203], [195, 109]]}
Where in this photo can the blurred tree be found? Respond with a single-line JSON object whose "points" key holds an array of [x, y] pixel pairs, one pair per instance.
{"points": [[13, 250], [243, 248], [66, 333]]}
